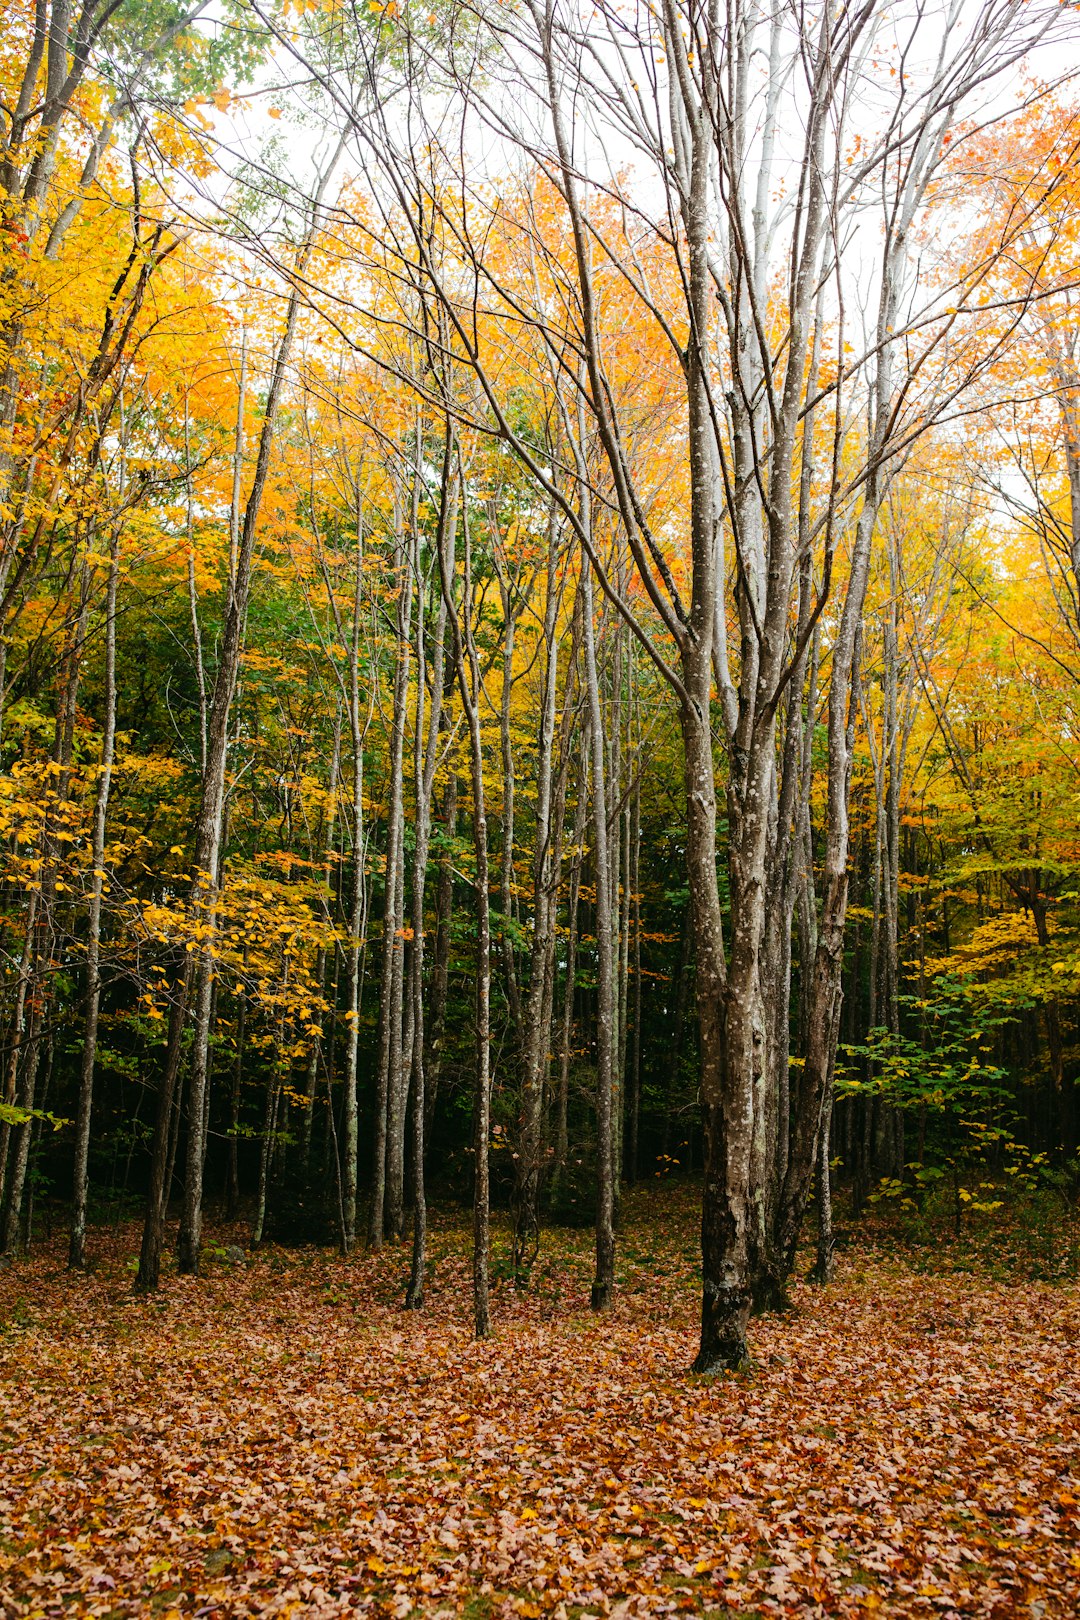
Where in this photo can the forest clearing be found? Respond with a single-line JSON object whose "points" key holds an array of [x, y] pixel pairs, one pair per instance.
{"points": [[281, 1438]]}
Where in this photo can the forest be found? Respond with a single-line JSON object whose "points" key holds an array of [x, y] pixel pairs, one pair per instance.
{"points": [[539, 807]]}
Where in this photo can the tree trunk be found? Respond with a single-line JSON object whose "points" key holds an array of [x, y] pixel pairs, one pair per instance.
{"points": [[604, 1279], [470, 684], [388, 1182], [633, 1136], [506, 754], [440, 972], [355, 945], [425, 760], [562, 1099], [824, 1265], [80, 1182], [536, 1034]]}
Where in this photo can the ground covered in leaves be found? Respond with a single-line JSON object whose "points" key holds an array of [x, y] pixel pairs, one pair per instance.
{"points": [[279, 1437]]}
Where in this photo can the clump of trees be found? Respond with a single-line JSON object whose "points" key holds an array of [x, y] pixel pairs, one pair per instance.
{"points": [[540, 619]]}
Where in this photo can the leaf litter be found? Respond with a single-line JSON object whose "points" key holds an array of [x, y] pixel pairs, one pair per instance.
{"points": [[279, 1437]]}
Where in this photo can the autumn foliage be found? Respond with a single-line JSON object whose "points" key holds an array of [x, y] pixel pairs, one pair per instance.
{"points": [[539, 652]]}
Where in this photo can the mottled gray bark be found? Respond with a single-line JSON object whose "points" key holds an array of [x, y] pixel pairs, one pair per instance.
{"points": [[80, 1172]]}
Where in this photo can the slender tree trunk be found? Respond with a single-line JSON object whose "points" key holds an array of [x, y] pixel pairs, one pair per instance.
{"points": [[824, 1264], [266, 1154], [536, 1021], [39, 1124], [426, 736], [633, 1144], [232, 1183], [611, 698], [562, 1100], [440, 971], [388, 1181], [80, 1182], [604, 1279], [506, 754], [357, 923]]}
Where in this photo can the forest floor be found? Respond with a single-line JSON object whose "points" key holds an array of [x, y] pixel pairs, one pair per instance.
{"points": [[280, 1437]]}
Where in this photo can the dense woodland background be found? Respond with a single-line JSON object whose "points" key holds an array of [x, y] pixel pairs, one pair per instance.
{"points": [[379, 633]]}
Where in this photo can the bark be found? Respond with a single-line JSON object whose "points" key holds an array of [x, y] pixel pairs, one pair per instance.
{"points": [[232, 1182], [561, 1132], [80, 1182], [633, 1144], [357, 921], [426, 736], [604, 1279], [266, 1153], [398, 1012], [510, 609], [825, 1263], [621, 908], [388, 1180], [536, 1019], [440, 970]]}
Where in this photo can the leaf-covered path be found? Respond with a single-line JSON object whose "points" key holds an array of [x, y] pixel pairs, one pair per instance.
{"points": [[280, 1437]]}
